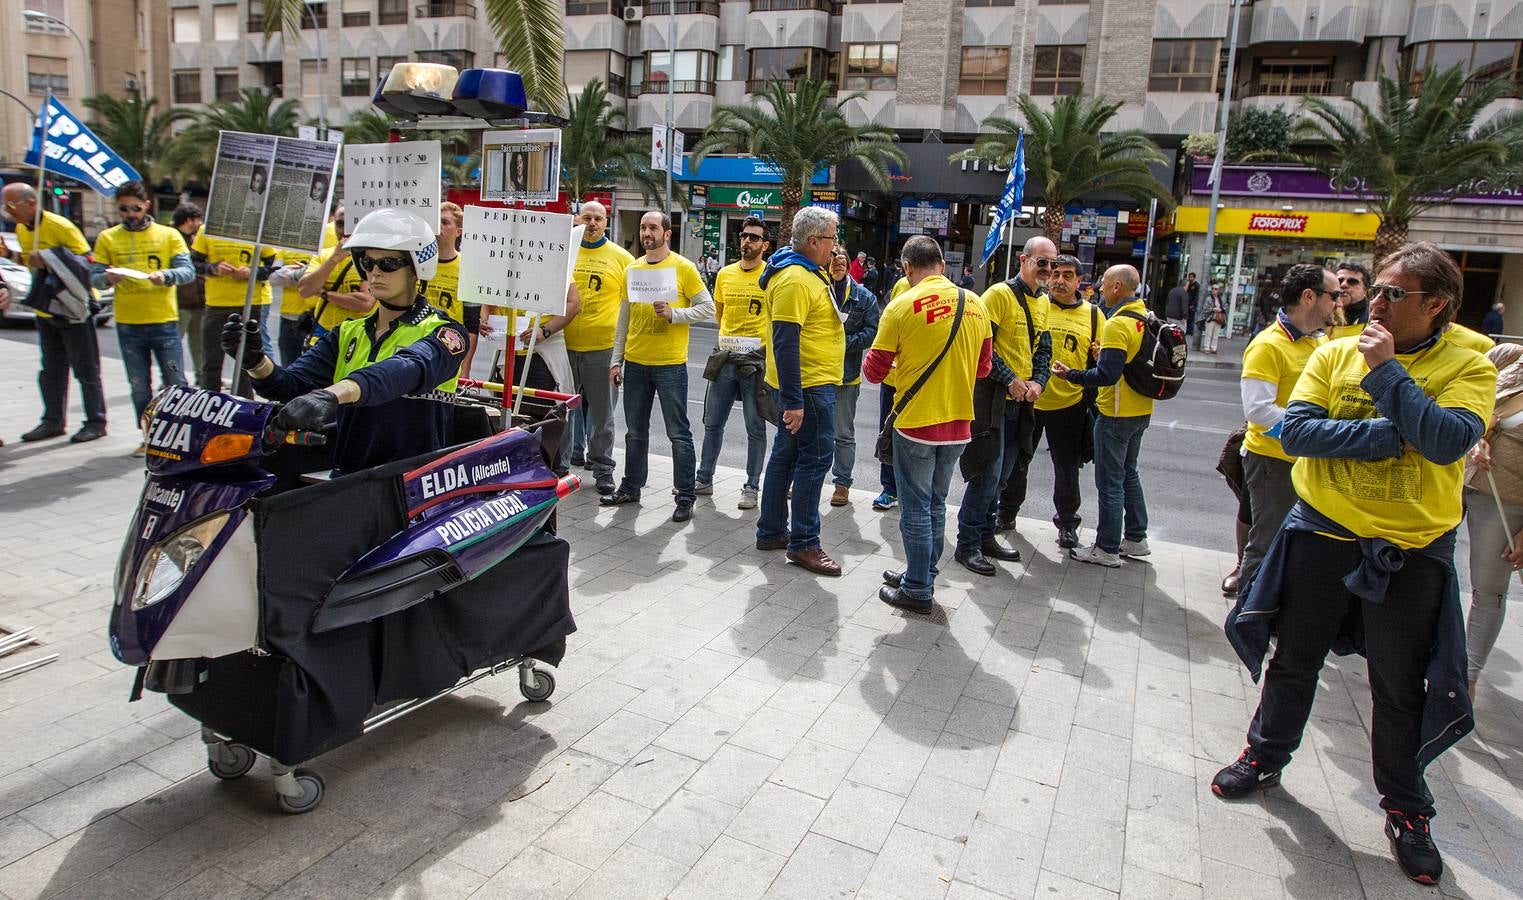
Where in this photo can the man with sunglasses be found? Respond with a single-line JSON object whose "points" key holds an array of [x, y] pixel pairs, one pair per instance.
{"points": [[65, 347], [1354, 308], [147, 317], [740, 307], [1272, 365], [388, 378], [1380, 425]]}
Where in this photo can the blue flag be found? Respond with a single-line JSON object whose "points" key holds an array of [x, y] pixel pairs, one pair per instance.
{"points": [[75, 151], [1009, 200]]}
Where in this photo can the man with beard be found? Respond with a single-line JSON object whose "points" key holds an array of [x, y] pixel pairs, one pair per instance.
{"points": [[1063, 410], [599, 277]]}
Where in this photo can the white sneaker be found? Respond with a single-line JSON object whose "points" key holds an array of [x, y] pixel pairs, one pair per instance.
{"points": [[1097, 557], [1135, 548], [747, 499]]}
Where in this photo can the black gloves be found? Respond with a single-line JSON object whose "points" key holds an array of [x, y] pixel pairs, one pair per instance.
{"points": [[253, 348], [313, 411]]}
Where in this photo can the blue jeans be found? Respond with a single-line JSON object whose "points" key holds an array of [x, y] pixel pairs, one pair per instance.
{"points": [[1117, 443], [717, 401], [977, 516], [801, 460], [142, 345], [846, 432], [642, 386], [923, 473]]}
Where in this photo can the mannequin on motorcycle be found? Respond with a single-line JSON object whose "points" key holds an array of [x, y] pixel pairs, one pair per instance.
{"points": [[385, 379]]}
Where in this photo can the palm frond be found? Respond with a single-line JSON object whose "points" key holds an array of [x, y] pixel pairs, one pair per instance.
{"points": [[530, 34]]}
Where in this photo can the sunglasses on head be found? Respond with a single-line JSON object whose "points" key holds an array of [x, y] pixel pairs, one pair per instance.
{"points": [[385, 264], [1391, 292]]}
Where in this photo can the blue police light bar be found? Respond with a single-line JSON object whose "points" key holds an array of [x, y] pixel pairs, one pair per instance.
{"points": [[490, 94], [417, 89]]}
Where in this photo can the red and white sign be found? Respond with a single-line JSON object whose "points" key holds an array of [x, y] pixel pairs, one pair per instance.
{"points": [[1277, 224]]}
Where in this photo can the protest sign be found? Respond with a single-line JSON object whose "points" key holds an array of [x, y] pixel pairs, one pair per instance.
{"points": [[284, 184], [405, 175], [521, 166], [515, 258], [651, 285], [240, 177]]}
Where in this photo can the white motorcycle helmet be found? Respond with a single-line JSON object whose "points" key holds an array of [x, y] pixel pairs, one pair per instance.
{"points": [[396, 229]]}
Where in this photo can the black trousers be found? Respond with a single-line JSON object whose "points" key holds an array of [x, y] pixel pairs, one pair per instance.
{"points": [[1398, 635], [67, 348], [1020, 447], [1066, 429], [212, 357]]}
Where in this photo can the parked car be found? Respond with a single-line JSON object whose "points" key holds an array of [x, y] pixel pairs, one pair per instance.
{"points": [[18, 279]]}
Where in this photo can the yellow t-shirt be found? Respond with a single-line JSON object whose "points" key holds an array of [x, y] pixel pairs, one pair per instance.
{"points": [[346, 278], [599, 276], [797, 295], [1407, 500], [152, 250], [1072, 331], [55, 231], [223, 290], [443, 290], [292, 303], [1341, 331], [900, 286], [1273, 357], [1471, 339], [1119, 401], [740, 304], [1012, 336], [914, 328], [653, 341]]}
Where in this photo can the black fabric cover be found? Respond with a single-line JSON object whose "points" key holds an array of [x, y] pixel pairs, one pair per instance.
{"points": [[314, 691]]}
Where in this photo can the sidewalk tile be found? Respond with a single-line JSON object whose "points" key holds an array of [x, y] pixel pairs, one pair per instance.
{"points": [[821, 867], [730, 869], [776, 818]]}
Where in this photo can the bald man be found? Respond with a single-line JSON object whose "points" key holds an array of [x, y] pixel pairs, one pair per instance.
{"points": [[599, 276], [1123, 417]]}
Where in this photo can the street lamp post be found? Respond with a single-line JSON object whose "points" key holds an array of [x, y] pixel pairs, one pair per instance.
{"points": [[322, 81], [1221, 152]]}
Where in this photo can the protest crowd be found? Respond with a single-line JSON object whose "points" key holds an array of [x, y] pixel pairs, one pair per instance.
{"points": [[1373, 424]]}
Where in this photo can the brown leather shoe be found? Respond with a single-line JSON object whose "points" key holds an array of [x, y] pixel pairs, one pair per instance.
{"points": [[816, 561], [840, 496]]}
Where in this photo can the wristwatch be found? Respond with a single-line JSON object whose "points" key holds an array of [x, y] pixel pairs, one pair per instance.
{"points": [[544, 333]]}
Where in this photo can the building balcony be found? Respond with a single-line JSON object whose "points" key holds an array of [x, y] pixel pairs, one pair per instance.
{"points": [[1298, 21], [445, 9], [1298, 86], [791, 85], [682, 7], [825, 6], [659, 86]]}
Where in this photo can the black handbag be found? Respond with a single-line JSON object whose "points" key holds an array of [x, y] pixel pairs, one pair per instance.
{"points": [[884, 449]]}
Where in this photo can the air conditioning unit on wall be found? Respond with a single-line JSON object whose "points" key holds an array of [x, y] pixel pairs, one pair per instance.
{"points": [[633, 13]]}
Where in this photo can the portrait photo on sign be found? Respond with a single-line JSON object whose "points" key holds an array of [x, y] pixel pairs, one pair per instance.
{"points": [[258, 179], [521, 166]]}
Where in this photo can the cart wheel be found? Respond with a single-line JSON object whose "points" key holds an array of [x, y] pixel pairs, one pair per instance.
{"points": [[540, 689], [229, 760], [311, 785]]}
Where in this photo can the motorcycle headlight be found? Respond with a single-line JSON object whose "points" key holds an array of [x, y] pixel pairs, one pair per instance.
{"points": [[167, 563]]}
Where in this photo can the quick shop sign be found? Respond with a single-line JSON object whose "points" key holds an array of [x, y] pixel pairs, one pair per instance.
{"points": [[745, 198]]}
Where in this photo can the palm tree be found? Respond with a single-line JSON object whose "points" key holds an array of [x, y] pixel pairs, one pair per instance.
{"points": [[1418, 148], [367, 126], [596, 156], [140, 136], [1070, 156], [529, 34], [255, 111], [800, 132]]}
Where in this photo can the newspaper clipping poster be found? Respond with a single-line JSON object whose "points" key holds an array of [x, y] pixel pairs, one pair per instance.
{"points": [[521, 166], [516, 258], [406, 175], [288, 181]]}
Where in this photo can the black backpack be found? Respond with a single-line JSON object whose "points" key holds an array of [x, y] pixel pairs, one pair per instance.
{"points": [[1158, 369]]}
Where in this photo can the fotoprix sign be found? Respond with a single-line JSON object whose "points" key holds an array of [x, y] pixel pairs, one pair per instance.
{"points": [[1263, 222], [1297, 181]]}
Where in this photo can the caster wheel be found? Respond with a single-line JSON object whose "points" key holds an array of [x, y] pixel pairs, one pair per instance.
{"points": [[311, 785], [229, 761], [540, 689]]}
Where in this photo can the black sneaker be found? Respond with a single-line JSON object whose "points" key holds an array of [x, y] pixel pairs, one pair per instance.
{"points": [[43, 432], [683, 512], [618, 498], [605, 484], [1068, 538], [88, 433], [1243, 778], [1413, 846]]}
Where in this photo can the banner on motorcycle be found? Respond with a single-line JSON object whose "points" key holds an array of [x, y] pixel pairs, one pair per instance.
{"points": [[406, 175], [282, 184], [517, 258]]}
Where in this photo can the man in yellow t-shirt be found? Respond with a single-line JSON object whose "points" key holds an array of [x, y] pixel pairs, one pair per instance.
{"points": [[934, 420], [1271, 366], [1380, 425], [1354, 307], [1063, 410], [599, 278], [443, 290], [228, 265], [650, 359], [806, 353], [335, 287], [297, 311], [740, 307], [65, 347], [1123, 415], [147, 318]]}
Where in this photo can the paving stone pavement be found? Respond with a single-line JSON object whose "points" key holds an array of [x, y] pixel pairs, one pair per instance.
{"points": [[726, 725]]}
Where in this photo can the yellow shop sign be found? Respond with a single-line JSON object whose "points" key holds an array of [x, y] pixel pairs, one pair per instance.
{"points": [[1280, 223]]}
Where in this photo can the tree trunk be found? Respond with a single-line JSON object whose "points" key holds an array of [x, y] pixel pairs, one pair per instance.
{"points": [[792, 194], [1389, 237], [1052, 225]]}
